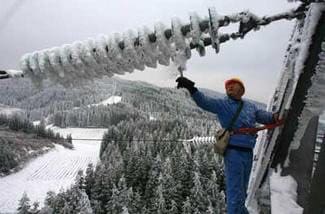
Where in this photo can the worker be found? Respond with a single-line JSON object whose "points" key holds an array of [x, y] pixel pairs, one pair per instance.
{"points": [[238, 156]]}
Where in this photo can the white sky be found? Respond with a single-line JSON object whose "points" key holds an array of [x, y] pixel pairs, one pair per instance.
{"points": [[29, 25]]}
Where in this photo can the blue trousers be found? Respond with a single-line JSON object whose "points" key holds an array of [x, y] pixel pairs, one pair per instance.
{"points": [[238, 165]]}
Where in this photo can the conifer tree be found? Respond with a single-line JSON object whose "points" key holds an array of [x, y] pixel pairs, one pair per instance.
{"points": [[173, 209], [89, 179], [134, 201], [160, 202], [153, 182], [198, 196], [24, 205], [35, 208], [187, 207], [114, 206]]}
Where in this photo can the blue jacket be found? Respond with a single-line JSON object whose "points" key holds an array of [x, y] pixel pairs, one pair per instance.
{"points": [[226, 108]]}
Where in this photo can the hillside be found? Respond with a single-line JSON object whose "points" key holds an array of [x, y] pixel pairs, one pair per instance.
{"points": [[16, 148], [21, 141], [80, 107]]}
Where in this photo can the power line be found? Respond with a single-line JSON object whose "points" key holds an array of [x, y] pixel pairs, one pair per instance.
{"points": [[111, 139]]}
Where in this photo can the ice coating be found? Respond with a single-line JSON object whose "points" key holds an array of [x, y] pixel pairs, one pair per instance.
{"points": [[120, 53]]}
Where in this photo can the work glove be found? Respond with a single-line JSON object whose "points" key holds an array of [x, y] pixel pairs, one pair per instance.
{"points": [[277, 119], [183, 82]]}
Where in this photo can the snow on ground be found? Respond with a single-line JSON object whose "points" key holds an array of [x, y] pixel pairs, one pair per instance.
{"points": [[52, 171], [36, 122], [109, 101], [284, 194], [152, 118], [9, 111]]}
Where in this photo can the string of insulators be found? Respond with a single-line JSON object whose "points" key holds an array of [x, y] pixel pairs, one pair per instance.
{"points": [[120, 53]]}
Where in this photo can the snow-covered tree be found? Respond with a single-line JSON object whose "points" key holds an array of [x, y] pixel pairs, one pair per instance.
{"points": [[187, 207], [198, 196], [24, 205]]}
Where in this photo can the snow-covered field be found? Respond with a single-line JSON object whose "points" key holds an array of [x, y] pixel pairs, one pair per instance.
{"points": [[9, 111], [111, 100], [55, 170]]}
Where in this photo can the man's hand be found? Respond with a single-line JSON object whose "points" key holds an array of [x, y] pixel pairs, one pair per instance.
{"points": [[183, 82], [277, 119]]}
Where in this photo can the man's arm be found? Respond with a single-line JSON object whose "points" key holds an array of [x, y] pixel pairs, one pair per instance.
{"points": [[265, 117], [205, 102]]}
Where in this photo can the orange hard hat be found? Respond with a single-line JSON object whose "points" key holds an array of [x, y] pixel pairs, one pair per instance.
{"points": [[235, 80]]}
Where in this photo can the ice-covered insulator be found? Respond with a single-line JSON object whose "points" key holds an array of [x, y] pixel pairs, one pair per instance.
{"points": [[101, 46], [92, 58], [65, 58], [114, 56], [195, 27], [213, 29], [178, 37], [44, 62], [24, 64], [196, 33], [76, 60], [163, 44], [180, 56], [82, 59], [139, 49], [33, 62], [72, 72], [125, 63], [46, 66], [149, 49], [198, 141], [129, 52], [101, 55], [57, 61]]}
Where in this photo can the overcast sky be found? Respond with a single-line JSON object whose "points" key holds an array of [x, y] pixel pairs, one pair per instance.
{"points": [[29, 25]]}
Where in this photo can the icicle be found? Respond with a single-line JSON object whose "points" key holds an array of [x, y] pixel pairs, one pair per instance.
{"points": [[88, 52], [178, 37], [26, 68], [33, 62], [125, 64], [196, 34], [65, 57], [76, 60], [24, 64], [150, 51], [44, 62], [129, 52], [213, 29], [163, 45], [102, 57], [114, 55]]}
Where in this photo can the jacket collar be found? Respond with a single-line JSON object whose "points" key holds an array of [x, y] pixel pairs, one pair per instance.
{"points": [[232, 100]]}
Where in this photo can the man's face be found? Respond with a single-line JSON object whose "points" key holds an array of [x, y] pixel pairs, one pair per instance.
{"points": [[234, 90]]}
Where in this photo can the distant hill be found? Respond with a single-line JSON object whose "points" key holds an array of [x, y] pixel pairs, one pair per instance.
{"points": [[75, 106], [146, 99]]}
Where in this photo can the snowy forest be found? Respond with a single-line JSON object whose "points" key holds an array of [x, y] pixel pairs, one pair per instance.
{"points": [[144, 168]]}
